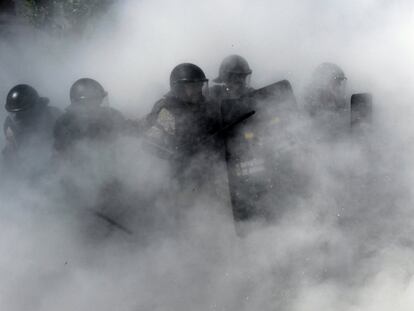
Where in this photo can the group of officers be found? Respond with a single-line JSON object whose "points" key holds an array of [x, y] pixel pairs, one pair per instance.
{"points": [[192, 127]]}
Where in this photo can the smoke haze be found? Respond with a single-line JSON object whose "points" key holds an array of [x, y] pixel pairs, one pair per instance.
{"points": [[345, 243]]}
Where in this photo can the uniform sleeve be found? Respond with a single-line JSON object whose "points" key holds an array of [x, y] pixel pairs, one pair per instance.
{"points": [[166, 121], [11, 144], [163, 128], [62, 134], [161, 135]]}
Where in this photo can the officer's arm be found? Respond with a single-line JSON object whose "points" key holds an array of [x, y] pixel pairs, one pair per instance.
{"points": [[61, 135], [11, 143], [161, 135]]}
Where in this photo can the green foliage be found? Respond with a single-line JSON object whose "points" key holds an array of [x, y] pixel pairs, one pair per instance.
{"points": [[62, 16]]}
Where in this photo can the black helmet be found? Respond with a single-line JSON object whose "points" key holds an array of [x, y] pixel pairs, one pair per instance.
{"points": [[21, 97], [85, 90], [328, 72], [186, 73], [232, 64]]}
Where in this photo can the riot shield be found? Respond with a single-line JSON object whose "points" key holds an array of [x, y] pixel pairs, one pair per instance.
{"points": [[249, 152], [361, 109]]}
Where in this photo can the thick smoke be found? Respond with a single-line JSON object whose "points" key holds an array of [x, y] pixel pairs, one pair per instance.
{"points": [[344, 242]]}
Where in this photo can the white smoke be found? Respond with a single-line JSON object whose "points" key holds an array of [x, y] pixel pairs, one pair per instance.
{"points": [[344, 244]]}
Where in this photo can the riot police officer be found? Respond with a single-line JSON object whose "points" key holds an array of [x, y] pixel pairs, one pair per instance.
{"points": [[29, 124], [325, 99], [85, 140], [181, 122], [86, 119], [327, 90], [233, 80]]}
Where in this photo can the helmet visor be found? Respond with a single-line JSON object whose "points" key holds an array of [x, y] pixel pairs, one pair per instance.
{"points": [[192, 92], [23, 117], [238, 80]]}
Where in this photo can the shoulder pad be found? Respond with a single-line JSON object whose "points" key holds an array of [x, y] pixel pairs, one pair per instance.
{"points": [[151, 118], [159, 105], [7, 125], [166, 120]]}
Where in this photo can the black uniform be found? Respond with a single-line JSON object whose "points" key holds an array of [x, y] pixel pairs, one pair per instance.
{"points": [[86, 119], [182, 129], [182, 125], [84, 141], [28, 128], [100, 124]]}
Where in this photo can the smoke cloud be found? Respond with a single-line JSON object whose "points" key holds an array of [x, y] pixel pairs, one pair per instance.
{"points": [[344, 240]]}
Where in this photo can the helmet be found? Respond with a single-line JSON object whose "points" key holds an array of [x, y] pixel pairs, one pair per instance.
{"points": [[21, 97], [86, 90], [328, 87], [327, 73], [188, 83], [186, 73], [232, 64]]}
